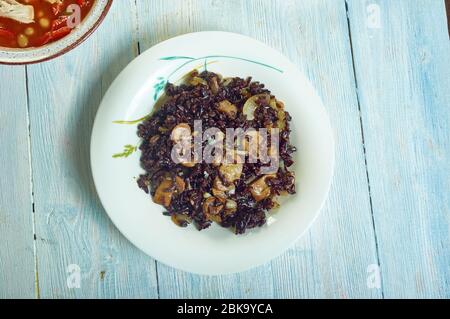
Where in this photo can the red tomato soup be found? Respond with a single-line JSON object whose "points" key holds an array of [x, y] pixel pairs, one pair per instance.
{"points": [[34, 23]]}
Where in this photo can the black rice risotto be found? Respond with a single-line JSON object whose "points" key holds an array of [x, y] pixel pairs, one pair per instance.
{"points": [[236, 196]]}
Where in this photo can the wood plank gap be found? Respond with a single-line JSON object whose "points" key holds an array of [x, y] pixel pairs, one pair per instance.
{"points": [[157, 279], [363, 145], [447, 6], [33, 217], [136, 27]]}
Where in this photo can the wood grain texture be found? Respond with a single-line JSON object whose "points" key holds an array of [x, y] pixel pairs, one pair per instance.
{"points": [[331, 261], [71, 225], [403, 72], [17, 271], [334, 260]]}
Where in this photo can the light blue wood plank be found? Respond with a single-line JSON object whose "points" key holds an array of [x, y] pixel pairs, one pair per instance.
{"points": [[71, 225], [17, 271], [403, 71], [332, 260]]}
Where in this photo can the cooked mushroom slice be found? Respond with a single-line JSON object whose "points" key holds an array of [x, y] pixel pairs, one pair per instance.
{"points": [[230, 172], [181, 220], [215, 218], [251, 105], [167, 189], [220, 190], [228, 108], [181, 132], [259, 188], [218, 184], [188, 164], [163, 194], [212, 207], [209, 200]]}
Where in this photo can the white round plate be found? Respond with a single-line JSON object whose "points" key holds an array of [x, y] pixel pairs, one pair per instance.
{"points": [[215, 250]]}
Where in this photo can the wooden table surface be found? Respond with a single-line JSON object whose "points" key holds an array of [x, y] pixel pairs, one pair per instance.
{"points": [[382, 68]]}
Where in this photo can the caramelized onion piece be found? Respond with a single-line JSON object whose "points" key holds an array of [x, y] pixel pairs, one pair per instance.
{"points": [[251, 105], [214, 85], [227, 81], [197, 81]]}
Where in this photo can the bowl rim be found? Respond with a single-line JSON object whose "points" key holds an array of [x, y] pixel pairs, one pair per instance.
{"points": [[70, 47]]}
